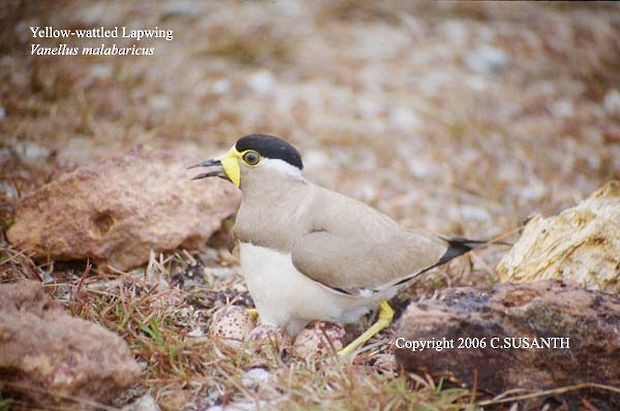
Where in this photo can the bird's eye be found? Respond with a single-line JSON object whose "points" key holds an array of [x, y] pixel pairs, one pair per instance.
{"points": [[251, 158]]}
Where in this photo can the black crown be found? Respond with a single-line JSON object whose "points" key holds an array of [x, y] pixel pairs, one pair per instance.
{"points": [[270, 147]]}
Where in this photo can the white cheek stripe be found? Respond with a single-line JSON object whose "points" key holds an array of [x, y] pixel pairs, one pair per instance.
{"points": [[280, 166]]}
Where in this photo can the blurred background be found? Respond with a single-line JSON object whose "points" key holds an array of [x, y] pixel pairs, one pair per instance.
{"points": [[455, 117], [461, 118]]}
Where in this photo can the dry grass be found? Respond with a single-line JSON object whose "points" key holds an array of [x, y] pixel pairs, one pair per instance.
{"points": [[388, 104], [183, 371]]}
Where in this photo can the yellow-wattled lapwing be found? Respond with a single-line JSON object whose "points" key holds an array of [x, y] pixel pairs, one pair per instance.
{"points": [[308, 253]]}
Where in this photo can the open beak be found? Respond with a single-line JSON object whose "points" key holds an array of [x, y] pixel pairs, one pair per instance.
{"points": [[217, 172], [226, 167]]}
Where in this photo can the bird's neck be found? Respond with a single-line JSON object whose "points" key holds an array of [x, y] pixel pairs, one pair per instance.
{"points": [[272, 215]]}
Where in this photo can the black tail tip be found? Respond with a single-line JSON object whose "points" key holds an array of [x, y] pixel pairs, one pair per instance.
{"points": [[458, 246]]}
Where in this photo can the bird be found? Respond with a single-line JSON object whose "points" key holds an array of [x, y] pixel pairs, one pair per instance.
{"points": [[309, 253]]}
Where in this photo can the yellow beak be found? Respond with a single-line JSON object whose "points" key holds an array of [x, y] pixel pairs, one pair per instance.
{"points": [[230, 162]]}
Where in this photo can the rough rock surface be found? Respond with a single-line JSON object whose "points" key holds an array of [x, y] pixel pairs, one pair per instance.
{"points": [[590, 319], [116, 211], [47, 356], [582, 244]]}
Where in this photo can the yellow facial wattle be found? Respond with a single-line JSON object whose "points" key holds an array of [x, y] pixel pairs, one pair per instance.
{"points": [[230, 162]]}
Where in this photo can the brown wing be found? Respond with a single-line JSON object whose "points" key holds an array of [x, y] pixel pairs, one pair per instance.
{"points": [[353, 246]]}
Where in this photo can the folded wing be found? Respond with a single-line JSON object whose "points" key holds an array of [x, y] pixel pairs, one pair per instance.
{"points": [[361, 249]]}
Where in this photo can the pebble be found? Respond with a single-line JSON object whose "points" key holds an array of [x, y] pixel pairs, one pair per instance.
{"points": [[611, 102], [255, 377], [263, 82], [144, 403], [487, 60]]}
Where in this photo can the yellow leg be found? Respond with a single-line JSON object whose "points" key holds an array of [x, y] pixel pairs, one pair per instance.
{"points": [[253, 313], [386, 313]]}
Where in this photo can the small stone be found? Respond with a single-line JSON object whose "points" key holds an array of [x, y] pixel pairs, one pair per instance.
{"points": [[255, 377], [160, 103], [563, 108], [101, 71], [487, 60], [404, 118], [319, 339], [144, 403], [611, 102], [262, 82], [221, 86]]}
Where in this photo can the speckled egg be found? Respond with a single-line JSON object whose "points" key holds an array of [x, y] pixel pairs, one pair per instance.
{"points": [[232, 325], [318, 339]]}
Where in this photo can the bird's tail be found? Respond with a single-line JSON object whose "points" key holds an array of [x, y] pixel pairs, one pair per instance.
{"points": [[459, 246], [456, 246]]}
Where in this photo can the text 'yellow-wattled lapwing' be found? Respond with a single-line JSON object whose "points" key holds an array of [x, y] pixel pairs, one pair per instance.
{"points": [[308, 253]]}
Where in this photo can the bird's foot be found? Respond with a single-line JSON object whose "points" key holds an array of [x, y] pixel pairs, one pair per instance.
{"points": [[386, 314]]}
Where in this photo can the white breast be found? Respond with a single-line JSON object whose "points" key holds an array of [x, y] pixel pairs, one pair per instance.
{"points": [[286, 298]]}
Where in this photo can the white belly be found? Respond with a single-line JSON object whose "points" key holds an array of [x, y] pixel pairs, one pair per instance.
{"points": [[286, 298]]}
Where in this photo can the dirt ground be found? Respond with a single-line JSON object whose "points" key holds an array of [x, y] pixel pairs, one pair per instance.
{"points": [[459, 118]]}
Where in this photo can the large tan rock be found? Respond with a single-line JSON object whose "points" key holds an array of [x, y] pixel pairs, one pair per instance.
{"points": [[532, 336], [116, 211], [581, 244], [48, 357]]}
